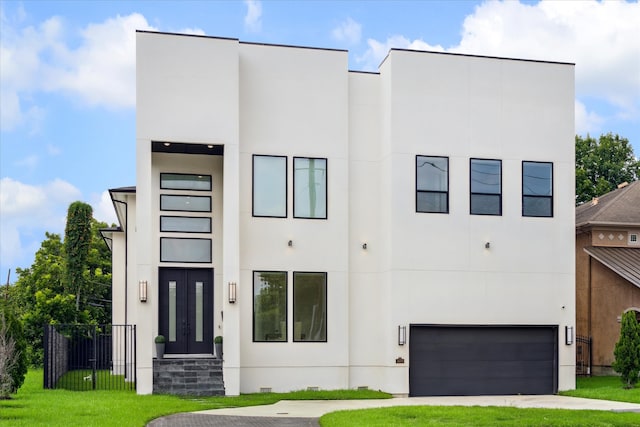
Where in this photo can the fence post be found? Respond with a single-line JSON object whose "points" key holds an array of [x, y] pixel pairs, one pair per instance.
{"points": [[95, 357]]}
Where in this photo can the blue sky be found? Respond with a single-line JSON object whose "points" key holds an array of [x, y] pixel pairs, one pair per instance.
{"points": [[67, 69]]}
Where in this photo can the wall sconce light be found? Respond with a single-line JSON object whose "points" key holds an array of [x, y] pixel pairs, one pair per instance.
{"points": [[232, 292], [142, 290], [290, 243], [487, 245], [402, 335], [364, 246], [568, 335]]}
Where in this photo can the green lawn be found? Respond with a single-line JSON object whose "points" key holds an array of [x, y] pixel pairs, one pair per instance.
{"points": [[34, 406]]}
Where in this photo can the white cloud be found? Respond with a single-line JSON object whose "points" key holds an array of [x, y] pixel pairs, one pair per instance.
{"points": [[587, 122], [377, 51], [348, 31], [27, 211], [253, 18], [192, 31], [97, 70], [103, 208]]}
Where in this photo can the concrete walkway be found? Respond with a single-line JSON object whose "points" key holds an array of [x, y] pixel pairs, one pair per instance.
{"points": [[305, 413]]}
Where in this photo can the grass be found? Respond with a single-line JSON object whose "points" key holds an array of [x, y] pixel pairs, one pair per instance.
{"points": [[606, 388], [35, 406], [475, 416], [78, 381]]}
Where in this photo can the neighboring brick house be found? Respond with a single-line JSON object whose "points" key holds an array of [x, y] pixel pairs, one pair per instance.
{"points": [[409, 230], [607, 269]]}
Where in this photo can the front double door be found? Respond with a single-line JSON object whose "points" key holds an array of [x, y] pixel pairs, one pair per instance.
{"points": [[186, 310]]}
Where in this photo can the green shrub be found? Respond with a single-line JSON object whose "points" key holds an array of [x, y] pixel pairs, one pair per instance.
{"points": [[627, 350]]}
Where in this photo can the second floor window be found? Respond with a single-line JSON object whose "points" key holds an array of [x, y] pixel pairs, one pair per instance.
{"points": [[537, 189], [486, 187], [309, 188], [432, 184], [270, 186]]}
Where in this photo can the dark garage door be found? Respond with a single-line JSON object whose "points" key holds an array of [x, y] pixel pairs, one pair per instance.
{"points": [[482, 360]]}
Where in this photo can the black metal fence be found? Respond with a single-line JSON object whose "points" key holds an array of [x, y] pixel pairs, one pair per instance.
{"points": [[583, 355], [90, 357]]}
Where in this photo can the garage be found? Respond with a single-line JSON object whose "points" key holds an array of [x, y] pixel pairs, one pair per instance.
{"points": [[482, 360]]}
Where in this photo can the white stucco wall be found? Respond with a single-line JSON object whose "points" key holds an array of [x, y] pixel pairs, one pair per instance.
{"points": [[417, 268]]}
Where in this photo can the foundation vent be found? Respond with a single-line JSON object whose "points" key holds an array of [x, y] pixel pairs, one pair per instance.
{"points": [[265, 389]]}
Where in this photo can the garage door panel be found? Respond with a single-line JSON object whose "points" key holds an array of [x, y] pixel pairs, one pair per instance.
{"points": [[448, 360]]}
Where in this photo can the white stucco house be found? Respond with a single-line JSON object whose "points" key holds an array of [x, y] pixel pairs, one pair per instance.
{"points": [[409, 230]]}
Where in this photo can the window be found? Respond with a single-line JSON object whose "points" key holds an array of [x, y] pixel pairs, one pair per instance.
{"points": [[169, 202], [309, 188], [185, 224], [185, 250], [633, 239], [486, 187], [310, 307], [269, 306], [181, 181], [537, 189], [270, 186], [432, 184]]}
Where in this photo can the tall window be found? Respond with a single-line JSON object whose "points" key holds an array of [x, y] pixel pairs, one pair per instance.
{"points": [[270, 186], [309, 188], [432, 184], [486, 187], [309, 306], [537, 189], [270, 306]]}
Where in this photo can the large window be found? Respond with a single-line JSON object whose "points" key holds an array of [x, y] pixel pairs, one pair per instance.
{"points": [[537, 189], [270, 306], [309, 188], [184, 224], [171, 202], [432, 184], [486, 187], [309, 306], [270, 186]]}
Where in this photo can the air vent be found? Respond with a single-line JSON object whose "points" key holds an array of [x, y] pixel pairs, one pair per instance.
{"points": [[265, 389], [633, 239]]}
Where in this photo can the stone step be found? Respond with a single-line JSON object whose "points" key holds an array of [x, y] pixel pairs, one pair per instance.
{"points": [[188, 377]]}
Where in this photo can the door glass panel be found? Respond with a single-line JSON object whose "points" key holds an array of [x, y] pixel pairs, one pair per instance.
{"points": [[172, 311], [199, 307]]}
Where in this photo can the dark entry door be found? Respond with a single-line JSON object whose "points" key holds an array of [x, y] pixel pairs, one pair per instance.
{"points": [[186, 310]]}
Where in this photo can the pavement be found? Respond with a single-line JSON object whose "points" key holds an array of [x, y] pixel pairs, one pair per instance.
{"points": [[305, 413]]}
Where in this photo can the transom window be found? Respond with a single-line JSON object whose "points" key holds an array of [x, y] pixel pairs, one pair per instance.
{"points": [[432, 184], [270, 306], [537, 189], [270, 186], [486, 187], [183, 181], [309, 188], [173, 202]]}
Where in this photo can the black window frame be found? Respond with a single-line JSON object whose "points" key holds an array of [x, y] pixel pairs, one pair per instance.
{"points": [[185, 210], [326, 187], [326, 302], [286, 186], [472, 193], [188, 262], [418, 191], [532, 196], [286, 306], [208, 218], [162, 187]]}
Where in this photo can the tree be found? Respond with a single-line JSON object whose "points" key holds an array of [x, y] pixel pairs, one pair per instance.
{"points": [[627, 350], [603, 164], [13, 355], [41, 297], [77, 238]]}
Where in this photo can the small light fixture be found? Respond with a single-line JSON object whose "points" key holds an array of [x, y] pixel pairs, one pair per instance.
{"points": [[364, 246], [402, 335], [232, 292], [487, 245], [166, 144], [568, 335], [142, 290], [210, 146], [290, 243]]}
